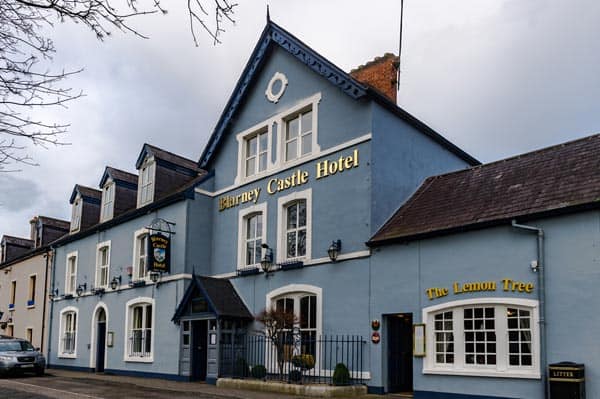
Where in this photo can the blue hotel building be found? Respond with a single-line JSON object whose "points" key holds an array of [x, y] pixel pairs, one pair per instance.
{"points": [[434, 268]]}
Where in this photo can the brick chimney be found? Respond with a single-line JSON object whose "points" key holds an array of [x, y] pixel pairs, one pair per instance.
{"points": [[381, 74]]}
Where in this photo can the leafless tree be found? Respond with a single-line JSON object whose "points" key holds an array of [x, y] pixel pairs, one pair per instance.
{"points": [[28, 85], [278, 324]]}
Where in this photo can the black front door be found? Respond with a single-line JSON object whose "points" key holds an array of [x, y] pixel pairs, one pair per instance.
{"points": [[199, 343], [399, 349], [100, 345]]}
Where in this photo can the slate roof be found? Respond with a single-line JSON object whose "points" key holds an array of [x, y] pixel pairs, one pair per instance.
{"points": [[274, 34], [558, 179], [18, 241], [221, 296], [86, 192], [167, 156], [57, 223], [119, 175]]}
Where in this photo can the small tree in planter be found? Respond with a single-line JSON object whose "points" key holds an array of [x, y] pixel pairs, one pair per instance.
{"points": [[341, 375], [277, 324]]}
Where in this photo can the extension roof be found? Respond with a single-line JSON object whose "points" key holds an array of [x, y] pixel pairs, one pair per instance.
{"points": [[166, 156], [87, 193], [274, 35], [222, 298], [56, 223], [559, 179], [18, 241], [186, 191], [119, 175]]}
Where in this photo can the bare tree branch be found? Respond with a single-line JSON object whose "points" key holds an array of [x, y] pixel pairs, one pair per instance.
{"points": [[25, 85]]}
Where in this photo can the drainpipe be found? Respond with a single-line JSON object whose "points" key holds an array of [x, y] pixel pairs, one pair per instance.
{"points": [[53, 268], [48, 256], [540, 269]]}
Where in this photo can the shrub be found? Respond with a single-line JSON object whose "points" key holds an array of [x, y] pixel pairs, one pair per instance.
{"points": [[305, 362], [341, 375], [259, 371], [240, 368], [295, 375]]}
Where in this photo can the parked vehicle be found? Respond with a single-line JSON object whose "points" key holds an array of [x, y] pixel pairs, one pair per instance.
{"points": [[18, 355]]}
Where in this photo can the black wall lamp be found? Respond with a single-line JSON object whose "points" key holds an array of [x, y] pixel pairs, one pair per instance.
{"points": [[53, 293], [155, 277], [334, 250], [115, 282], [266, 263], [81, 289]]}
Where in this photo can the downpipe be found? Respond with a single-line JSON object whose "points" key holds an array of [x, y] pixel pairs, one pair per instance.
{"points": [[540, 270]]}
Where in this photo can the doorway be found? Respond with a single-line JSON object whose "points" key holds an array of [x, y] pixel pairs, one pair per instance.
{"points": [[199, 349], [399, 352], [100, 340]]}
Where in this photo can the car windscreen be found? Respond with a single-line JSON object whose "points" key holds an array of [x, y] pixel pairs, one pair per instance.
{"points": [[7, 346]]}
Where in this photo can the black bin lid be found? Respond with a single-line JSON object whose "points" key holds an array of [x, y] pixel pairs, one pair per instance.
{"points": [[568, 364]]}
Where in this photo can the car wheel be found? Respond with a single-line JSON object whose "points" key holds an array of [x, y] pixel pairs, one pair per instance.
{"points": [[39, 372]]}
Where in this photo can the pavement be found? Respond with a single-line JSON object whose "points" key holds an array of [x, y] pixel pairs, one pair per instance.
{"points": [[62, 384]]}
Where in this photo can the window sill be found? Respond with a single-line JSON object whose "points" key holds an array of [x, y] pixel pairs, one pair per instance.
{"points": [[30, 306], [139, 359], [529, 374], [67, 356]]}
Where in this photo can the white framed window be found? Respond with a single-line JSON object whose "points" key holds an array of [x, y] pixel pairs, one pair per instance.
{"points": [[108, 201], [139, 337], [102, 264], [296, 131], [294, 226], [305, 302], [495, 337], [252, 233], [29, 334], [146, 182], [31, 292], [140, 254], [71, 273], [76, 214], [13, 294], [68, 332]]}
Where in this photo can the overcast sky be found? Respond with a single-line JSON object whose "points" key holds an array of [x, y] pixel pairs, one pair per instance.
{"points": [[495, 77]]}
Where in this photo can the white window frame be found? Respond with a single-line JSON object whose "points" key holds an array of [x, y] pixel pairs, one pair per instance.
{"points": [[135, 263], [502, 367], [278, 123], [76, 210], [108, 201], [297, 291], [242, 218], [99, 267], [29, 338], [63, 314], [129, 319], [31, 294], [68, 275], [311, 103], [145, 193], [13, 293], [282, 203]]}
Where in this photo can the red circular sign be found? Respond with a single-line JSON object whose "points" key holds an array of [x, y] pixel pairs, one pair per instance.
{"points": [[375, 337]]}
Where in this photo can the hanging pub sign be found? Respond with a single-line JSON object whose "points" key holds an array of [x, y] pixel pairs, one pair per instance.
{"points": [[159, 253]]}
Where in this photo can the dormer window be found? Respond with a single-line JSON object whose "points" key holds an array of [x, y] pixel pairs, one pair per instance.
{"points": [[146, 183], [108, 201], [76, 214]]}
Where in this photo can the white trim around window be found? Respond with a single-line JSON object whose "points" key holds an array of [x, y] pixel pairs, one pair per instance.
{"points": [[102, 265], [278, 122], [282, 205], [451, 340], [264, 128], [67, 337], [146, 182], [108, 201], [76, 210], [129, 346], [243, 216], [71, 272], [140, 258]]}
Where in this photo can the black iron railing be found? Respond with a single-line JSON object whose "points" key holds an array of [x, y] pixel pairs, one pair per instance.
{"points": [[300, 357]]}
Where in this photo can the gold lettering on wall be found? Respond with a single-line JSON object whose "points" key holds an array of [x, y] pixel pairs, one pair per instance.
{"points": [[507, 284]]}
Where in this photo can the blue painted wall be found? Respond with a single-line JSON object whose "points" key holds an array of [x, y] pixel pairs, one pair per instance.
{"points": [[402, 272]]}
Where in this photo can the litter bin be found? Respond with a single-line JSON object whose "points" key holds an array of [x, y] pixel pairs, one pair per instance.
{"points": [[567, 380]]}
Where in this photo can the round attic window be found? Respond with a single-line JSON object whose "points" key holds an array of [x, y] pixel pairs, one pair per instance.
{"points": [[276, 87]]}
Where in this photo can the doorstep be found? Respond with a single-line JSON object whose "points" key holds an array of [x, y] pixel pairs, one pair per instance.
{"points": [[317, 390]]}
